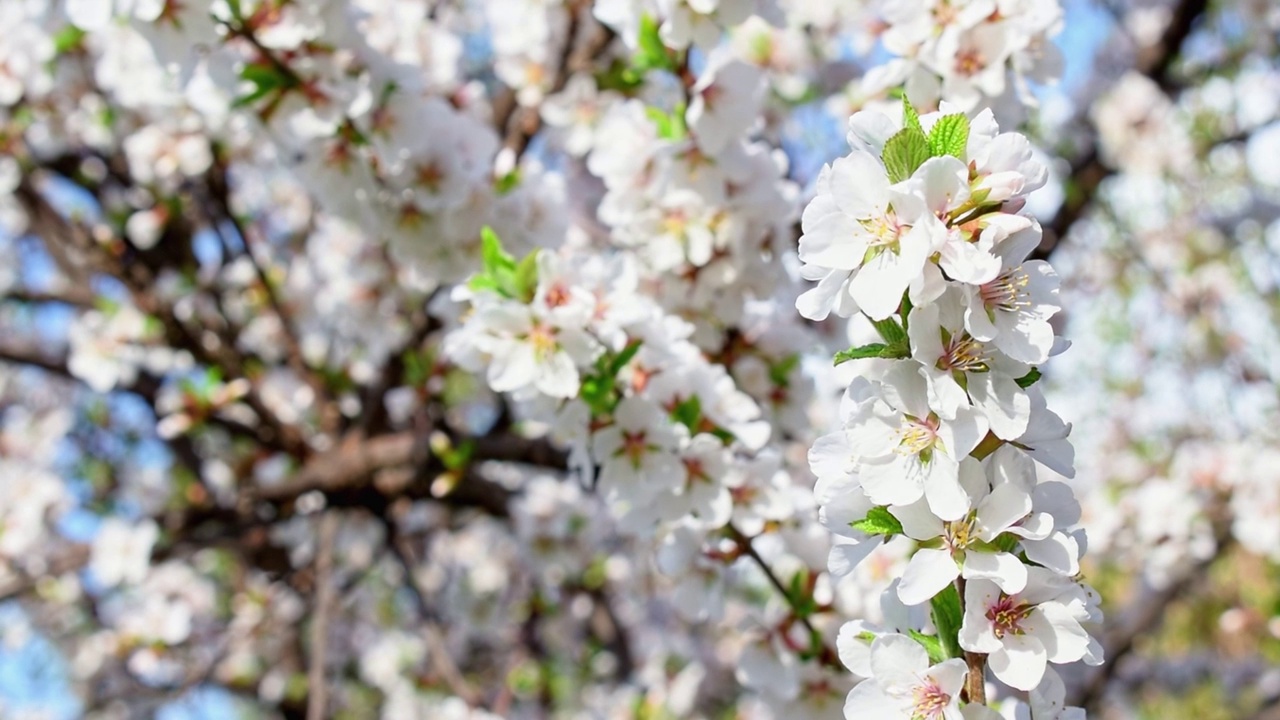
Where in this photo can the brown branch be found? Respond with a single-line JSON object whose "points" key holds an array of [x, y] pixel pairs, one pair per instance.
{"points": [[827, 655], [81, 297], [317, 678], [29, 355], [1152, 609], [975, 682], [74, 559], [438, 651], [577, 55]]}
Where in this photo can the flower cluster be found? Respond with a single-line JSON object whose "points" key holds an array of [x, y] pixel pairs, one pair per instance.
{"points": [[918, 230], [975, 54]]}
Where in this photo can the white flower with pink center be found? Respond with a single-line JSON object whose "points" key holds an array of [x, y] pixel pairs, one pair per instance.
{"points": [[1021, 632], [905, 686]]}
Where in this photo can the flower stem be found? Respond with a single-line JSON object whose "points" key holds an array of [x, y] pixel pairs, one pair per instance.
{"points": [[975, 683]]}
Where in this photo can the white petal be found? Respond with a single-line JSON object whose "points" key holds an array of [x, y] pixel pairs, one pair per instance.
{"points": [[1020, 662], [1002, 568], [927, 573], [896, 663]]}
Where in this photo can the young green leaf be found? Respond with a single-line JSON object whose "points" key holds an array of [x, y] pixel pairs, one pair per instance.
{"points": [[947, 617], [910, 118], [879, 521], [651, 53], [689, 413], [904, 152], [620, 361], [870, 350], [931, 645], [950, 136], [1029, 379], [526, 277]]}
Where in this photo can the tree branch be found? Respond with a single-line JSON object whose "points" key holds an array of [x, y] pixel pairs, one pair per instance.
{"points": [[1152, 609], [317, 678]]}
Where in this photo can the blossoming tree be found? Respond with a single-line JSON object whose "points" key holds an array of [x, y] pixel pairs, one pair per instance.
{"points": [[633, 358]]}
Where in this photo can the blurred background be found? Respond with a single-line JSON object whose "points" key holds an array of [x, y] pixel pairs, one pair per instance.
{"points": [[1162, 217]]}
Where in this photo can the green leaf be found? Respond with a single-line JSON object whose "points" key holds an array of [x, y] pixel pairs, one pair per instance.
{"points": [[526, 277], [879, 521], [870, 350], [780, 371], [910, 118], [671, 126], [947, 617], [491, 252], [904, 152], [950, 136], [891, 331], [67, 39], [931, 644], [688, 413], [508, 182], [651, 54], [265, 79], [1005, 542], [621, 359], [1029, 379], [619, 77]]}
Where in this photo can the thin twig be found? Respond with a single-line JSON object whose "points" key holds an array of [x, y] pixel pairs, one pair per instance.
{"points": [[317, 682], [827, 655]]}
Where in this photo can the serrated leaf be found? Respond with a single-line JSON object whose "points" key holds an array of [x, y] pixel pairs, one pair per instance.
{"points": [[950, 136], [904, 152], [910, 118], [1029, 379], [947, 617], [931, 645], [879, 521]]}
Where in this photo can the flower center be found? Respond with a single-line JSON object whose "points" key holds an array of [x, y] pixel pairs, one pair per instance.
{"points": [[1006, 616], [543, 339], [930, 702], [970, 62], [958, 534], [917, 437], [635, 445], [964, 354], [1007, 292], [885, 231]]}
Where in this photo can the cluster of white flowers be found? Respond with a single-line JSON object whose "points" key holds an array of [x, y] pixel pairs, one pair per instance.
{"points": [[974, 54], [917, 229]]}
